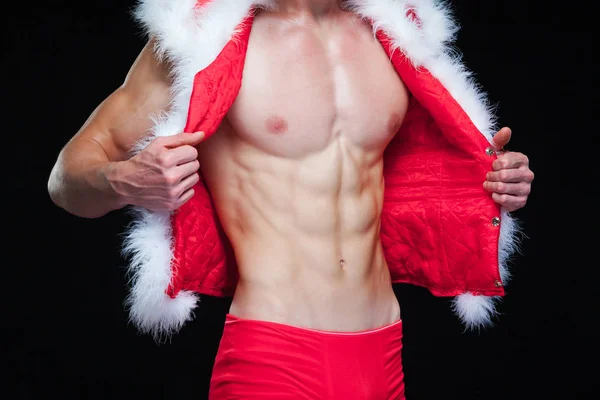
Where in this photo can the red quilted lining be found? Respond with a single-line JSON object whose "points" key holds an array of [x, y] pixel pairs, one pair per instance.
{"points": [[436, 223]]}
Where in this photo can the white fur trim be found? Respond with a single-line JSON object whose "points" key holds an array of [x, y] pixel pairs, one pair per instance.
{"points": [[427, 43], [190, 39], [474, 311], [148, 245], [477, 311]]}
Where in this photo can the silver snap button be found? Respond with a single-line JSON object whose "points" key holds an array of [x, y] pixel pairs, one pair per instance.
{"points": [[489, 151], [495, 221], [497, 283]]}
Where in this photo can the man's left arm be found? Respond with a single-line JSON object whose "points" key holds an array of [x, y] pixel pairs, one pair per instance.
{"points": [[510, 180]]}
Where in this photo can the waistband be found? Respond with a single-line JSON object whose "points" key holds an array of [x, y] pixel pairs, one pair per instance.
{"points": [[232, 320]]}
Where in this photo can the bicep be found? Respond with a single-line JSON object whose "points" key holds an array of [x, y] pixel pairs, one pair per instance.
{"points": [[125, 117]]}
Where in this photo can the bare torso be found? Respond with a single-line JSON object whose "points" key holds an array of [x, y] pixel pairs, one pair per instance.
{"points": [[296, 173]]}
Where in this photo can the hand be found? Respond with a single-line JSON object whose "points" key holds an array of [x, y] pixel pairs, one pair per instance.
{"points": [[160, 177], [510, 180]]}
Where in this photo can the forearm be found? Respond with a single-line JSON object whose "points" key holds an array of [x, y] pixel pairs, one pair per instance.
{"points": [[94, 173], [79, 182]]}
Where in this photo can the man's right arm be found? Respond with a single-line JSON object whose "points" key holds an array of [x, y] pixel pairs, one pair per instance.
{"points": [[95, 173]]}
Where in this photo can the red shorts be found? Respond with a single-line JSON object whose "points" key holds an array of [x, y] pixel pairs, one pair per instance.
{"points": [[267, 360]]}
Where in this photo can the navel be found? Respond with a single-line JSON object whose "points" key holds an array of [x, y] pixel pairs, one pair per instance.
{"points": [[276, 125]]}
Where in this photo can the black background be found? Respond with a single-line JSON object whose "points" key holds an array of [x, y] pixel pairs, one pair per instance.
{"points": [[68, 335]]}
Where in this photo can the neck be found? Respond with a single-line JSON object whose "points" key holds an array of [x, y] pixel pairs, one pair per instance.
{"points": [[314, 7]]}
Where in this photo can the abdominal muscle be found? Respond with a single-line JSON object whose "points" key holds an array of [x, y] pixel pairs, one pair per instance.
{"points": [[305, 233]]}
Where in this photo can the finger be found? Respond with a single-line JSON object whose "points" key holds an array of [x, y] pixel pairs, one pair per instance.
{"points": [[502, 137], [510, 159], [184, 170], [187, 183], [511, 203], [181, 139], [521, 174], [185, 197], [182, 154], [514, 189]]}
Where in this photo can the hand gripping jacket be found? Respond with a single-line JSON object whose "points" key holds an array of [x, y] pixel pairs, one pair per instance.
{"points": [[439, 228]]}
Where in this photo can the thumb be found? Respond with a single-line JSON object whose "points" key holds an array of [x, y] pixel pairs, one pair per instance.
{"points": [[183, 138], [502, 137]]}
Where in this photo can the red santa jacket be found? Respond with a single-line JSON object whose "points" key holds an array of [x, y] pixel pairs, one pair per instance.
{"points": [[439, 228]]}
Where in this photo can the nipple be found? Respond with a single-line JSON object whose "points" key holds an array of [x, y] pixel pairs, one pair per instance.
{"points": [[276, 125]]}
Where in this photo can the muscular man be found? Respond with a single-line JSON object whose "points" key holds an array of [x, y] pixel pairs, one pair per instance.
{"points": [[295, 171]]}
